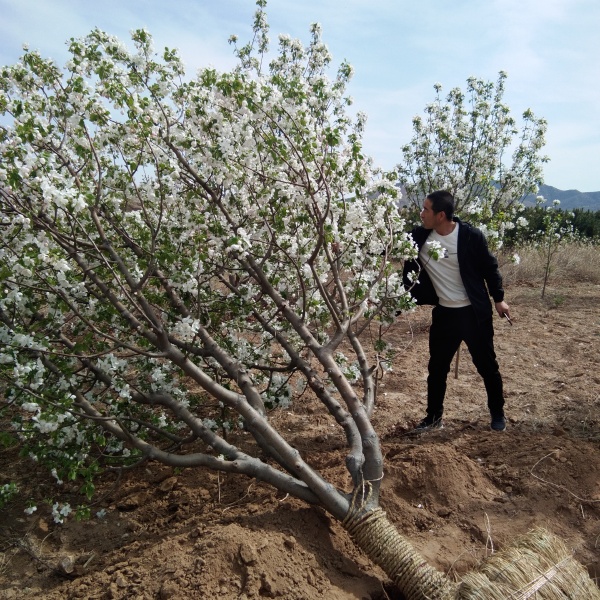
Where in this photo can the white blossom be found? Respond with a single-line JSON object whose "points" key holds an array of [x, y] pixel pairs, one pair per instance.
{"points": [[61, 511]]}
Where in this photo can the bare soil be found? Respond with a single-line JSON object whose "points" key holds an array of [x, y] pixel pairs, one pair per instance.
{"points": [[458, 493]]}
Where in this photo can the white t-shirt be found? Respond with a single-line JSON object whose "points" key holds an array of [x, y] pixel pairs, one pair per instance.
{"points": [[445, 273]]}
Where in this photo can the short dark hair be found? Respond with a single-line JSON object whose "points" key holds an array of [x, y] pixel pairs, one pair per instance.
{"points": [[442, 201]]}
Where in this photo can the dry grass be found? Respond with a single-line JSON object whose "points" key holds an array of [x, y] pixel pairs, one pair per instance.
{"points": [[571, 263]]}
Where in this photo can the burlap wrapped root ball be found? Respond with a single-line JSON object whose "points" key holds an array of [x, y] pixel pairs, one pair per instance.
{"points": [[538, 566]]}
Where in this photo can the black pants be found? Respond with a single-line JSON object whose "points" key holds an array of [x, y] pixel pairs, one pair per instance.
{"points": [[449, 327]]}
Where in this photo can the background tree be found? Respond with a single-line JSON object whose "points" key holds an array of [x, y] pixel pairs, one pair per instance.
{"points": [[553, 227], [469, 144], [587, 223], [178, 258], [554, 232]]}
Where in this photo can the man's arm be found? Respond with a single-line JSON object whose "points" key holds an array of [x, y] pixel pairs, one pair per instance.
{"points": [[493, 280], [491, 272]]}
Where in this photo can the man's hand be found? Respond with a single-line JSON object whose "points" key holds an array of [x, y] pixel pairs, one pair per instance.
{"points": [[503, 309]]}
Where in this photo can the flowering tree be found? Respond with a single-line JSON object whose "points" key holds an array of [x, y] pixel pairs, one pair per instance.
{"points": [[556, 228], [180, 257], [470, 145]]}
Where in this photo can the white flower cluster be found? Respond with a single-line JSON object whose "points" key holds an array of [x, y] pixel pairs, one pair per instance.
{"points": [[60, 511], [435, 250], [279, 393], [7, 492]]}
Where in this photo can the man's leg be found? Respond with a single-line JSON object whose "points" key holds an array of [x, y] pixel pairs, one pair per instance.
{"points": [[444, 339], [479, 338]]}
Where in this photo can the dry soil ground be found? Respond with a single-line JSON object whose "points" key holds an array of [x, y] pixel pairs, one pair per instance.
{"points": [[458, 493]]}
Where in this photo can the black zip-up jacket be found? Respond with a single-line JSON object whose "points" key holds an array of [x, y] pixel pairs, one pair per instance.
{"points": [[478, 269]]}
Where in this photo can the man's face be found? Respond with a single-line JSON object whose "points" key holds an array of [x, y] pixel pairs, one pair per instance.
{"points": [[428, 217]]}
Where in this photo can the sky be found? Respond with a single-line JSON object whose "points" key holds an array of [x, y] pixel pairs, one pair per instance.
{"points": [[399, 49]]}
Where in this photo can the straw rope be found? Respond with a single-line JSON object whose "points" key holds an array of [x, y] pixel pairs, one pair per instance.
{"points": [[373, 532], [538, 566]]}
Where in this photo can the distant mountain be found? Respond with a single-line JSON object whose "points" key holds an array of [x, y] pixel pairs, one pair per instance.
{"points": [[569, 199]]}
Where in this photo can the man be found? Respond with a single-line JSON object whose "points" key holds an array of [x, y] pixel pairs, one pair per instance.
{"points": [[457, 285]]}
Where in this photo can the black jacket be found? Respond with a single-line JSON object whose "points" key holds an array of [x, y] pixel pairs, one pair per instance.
{"points": [[478, 270]]}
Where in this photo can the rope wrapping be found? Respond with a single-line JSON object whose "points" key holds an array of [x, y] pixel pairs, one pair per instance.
{"points": [[379, 539], [538, 565]]}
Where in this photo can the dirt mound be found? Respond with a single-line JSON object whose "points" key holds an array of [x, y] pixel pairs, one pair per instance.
{"points": [[458, 493], [440, 476]]}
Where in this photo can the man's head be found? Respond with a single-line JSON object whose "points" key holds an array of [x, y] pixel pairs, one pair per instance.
{"points": [[442, 201], [438, 208]]}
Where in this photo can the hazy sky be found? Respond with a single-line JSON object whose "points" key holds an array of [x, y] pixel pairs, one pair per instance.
{"points": [[399, 49]]}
